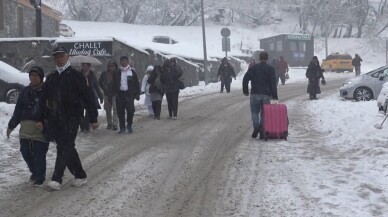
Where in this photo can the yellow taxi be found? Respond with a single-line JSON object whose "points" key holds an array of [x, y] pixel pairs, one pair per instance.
{"points": [[337, 62]]}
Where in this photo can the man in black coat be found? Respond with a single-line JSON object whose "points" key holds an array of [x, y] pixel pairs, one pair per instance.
{"points": [[356, 62], [226, 72], [127, 87], [65, 95], [314, 73], [263, 89]]}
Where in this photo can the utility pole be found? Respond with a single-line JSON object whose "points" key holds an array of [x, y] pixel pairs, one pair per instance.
{"points": [[38, 16], [206, 71]]}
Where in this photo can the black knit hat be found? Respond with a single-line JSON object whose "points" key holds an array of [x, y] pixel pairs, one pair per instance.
{"points": [[38, 70]]}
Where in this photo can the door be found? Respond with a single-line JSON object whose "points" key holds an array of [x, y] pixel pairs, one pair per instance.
{"points": [[380, 78]]}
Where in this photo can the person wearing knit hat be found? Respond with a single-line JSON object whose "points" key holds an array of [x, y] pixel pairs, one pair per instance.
{"points": [[145, 89], [38, 70], [33, 144]]}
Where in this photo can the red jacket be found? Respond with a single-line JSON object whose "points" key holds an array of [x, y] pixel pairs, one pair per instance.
{"points": [[283, 66]]}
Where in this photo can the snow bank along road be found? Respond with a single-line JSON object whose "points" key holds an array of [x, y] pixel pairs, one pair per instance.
{"points": [[203, 164]]}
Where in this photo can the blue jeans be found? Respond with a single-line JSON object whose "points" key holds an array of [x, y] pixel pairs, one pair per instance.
{"points": [[34, 153], [257, 102]]}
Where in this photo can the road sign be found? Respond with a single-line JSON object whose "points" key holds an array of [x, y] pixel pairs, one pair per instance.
{"points": [[225, 32], [225, 44]]}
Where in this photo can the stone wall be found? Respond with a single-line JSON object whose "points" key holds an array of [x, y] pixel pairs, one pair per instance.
{"points": [[11, 27]]}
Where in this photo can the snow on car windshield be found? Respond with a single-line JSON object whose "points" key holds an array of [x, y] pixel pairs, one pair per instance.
{"points": [[12, 75]]}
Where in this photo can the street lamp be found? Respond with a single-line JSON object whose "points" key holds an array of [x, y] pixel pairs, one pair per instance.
{"points": [[206, 71], [38, 16]]}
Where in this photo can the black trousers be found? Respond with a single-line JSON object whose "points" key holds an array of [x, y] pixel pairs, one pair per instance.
{"points": [[226, 84], [125, 103], [172, 103], [34, 153], [67, 155], [157, 108], [85, 122]]}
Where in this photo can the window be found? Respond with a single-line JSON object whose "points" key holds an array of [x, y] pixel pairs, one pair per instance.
{"points": [[272, 46], [2, 12], [293, 46], [302, 46], [279, 46]]}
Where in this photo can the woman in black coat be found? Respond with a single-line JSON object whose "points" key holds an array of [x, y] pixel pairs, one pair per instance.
{"points": [[314, 73], [170, 81]]}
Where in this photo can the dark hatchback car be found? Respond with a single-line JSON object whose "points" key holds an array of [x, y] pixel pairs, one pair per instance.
{"points": [[11, 83]]}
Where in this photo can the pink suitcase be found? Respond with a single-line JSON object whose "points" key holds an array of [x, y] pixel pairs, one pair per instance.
{"points": [[275, 121]]}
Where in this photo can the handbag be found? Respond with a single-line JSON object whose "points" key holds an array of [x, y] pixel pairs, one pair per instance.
{"points": [[181, 85], [287, 76]]}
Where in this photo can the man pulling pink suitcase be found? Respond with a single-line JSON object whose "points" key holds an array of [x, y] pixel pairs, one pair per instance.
{"points": [[263, 89]]}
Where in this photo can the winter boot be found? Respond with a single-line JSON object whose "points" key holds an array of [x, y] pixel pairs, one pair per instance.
{"points": [[130, 129]]}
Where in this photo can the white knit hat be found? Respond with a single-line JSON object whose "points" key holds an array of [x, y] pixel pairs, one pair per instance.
{"points": [[150, 68]]}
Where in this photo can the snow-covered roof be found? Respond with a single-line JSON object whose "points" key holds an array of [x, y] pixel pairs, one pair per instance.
{"points": [[83, 39], [29, 39]]}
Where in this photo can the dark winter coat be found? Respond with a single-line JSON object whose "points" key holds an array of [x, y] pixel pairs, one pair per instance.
{"points": [[133, 85], [154, 80], [64, 97], [275, 65], [93, 85], [170, 79], [27, 112], [263, 80], [106, 85], [357, 61], [314, 74], [226, 73]]}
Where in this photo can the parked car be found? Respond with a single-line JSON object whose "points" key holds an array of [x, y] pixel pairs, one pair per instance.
{"points": [[382, 100], [337, 62], [163, 40], [365, 87], [66, 30], [11, 83]]}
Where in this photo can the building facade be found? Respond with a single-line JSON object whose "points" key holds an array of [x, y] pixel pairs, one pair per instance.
{"points": [[17, 19], [297, 49]]}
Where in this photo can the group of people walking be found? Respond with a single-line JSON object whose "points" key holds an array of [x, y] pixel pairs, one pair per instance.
{"points": [[55, 109], [68, 100]]}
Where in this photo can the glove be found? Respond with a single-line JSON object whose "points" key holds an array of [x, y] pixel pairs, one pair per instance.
{"points": [[137, 98], [101, 100], [323, 81], [234, 78], [274, 101], [8, 132]]}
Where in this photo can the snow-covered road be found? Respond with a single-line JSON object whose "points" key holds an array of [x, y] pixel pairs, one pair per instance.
{"points": [[203, 164]]}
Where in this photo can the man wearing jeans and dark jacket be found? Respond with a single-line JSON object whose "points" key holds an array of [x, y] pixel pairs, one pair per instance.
{"points": [[127, 86], [263, 89]]}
